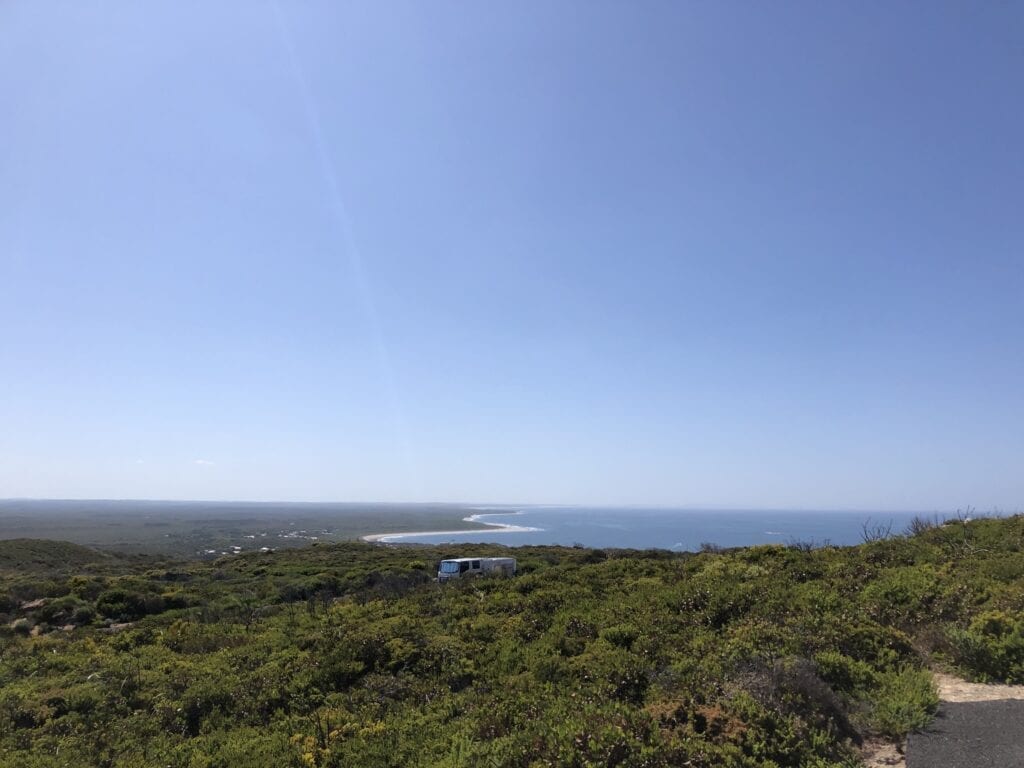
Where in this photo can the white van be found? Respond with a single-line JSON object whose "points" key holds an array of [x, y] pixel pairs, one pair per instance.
{"points": [[463, 567]]}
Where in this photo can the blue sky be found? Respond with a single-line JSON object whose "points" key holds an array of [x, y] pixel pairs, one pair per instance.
{"points": [[730, 254]]}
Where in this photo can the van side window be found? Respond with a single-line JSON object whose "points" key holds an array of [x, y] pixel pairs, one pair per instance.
{"points": [[476, 565], [463, 567]]}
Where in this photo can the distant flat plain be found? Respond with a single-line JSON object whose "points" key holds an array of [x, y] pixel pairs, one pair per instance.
{"points": [[212, 529]]}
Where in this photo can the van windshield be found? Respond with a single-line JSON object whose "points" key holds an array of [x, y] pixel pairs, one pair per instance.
{"points": [[449, 566]]}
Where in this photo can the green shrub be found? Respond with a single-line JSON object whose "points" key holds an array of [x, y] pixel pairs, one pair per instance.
{"points": [[121, 605], [992, 648], [82, 615], [902, 596], [622, 635], [905, 700], [21, 627], [843, 673]]}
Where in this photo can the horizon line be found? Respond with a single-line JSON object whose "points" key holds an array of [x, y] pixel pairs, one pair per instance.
{"points": [[464, 504]]}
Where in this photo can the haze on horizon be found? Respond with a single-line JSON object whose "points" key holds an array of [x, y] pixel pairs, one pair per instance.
{"points": [[713, 254]]}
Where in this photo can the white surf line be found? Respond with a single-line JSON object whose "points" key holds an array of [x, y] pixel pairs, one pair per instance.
{"points": [[389, 538]]}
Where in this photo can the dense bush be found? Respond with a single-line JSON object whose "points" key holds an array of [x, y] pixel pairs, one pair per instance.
{"points": [[904, 701], [992, 647], [348, 655]]}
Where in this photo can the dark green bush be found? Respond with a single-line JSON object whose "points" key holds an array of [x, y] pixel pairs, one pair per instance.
{"points": [[992, 648], [121, 605], [905, 700]]}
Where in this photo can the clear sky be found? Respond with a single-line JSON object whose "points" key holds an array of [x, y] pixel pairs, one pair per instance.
{"points": [[681, 253]]}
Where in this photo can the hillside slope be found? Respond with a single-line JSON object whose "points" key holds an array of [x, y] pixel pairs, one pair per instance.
{"points": [[350, 655], [46, 556]]}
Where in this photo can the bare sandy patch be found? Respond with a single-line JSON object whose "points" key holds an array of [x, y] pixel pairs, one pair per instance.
{"points": [[955, 690], [395, 538], [883, 754]]}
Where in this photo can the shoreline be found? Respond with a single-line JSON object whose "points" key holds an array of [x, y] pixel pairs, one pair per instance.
{"points": [[388, 538]]}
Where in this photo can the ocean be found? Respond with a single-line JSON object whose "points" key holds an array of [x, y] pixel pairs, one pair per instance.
{"points": [[675, 529]]}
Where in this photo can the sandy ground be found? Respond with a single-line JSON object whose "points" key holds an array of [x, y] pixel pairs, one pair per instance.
{"points": [[880, 754], [955, 690], [388, 538]]}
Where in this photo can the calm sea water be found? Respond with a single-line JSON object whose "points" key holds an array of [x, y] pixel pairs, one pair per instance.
{"points": [[678, 529]]}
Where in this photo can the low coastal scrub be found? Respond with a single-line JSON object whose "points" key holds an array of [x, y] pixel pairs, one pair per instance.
{"points": [[992, 647], [905, 701], [350, 654]]}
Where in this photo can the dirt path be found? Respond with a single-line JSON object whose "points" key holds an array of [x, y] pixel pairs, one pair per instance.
{"points": [[955, 690], [952, 690]]}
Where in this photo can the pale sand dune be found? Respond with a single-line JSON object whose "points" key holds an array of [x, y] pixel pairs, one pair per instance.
{"points": [[387, 537], [491, 528]]}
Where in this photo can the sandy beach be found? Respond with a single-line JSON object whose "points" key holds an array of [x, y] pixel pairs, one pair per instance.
{"points": [[390, 538]]}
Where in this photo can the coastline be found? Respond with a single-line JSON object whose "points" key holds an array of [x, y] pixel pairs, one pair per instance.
{"points": [[390, 538]]}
